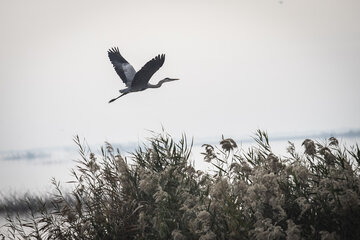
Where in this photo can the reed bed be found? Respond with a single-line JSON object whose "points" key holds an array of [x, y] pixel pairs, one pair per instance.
{"points": [[158, 194]]}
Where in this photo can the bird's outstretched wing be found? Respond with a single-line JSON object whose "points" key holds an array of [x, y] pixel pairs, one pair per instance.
{"points": [[143, 76], [122, 67]]}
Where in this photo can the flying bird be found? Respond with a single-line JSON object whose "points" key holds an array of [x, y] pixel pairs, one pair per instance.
{"points": [[136, 81]]}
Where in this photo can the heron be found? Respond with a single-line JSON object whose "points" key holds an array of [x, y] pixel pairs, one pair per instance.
{"points": [[136, 81]]}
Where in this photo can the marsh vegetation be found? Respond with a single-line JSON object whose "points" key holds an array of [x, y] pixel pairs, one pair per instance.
{"points": [[158, 194]]}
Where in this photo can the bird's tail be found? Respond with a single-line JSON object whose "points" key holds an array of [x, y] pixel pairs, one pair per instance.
{"points": [[117, 97]]}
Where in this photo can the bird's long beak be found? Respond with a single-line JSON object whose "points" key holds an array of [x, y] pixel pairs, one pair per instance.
{"points": [[173, 79]]}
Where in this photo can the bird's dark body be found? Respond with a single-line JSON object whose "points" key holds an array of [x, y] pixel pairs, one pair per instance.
{"points": [[138, 89], [136, 81]]}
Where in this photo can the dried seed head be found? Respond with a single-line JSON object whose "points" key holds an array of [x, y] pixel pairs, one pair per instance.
{"points": [[228, 144], [310, 148]]}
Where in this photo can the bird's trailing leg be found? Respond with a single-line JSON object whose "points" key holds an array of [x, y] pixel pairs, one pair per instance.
{"points": [[118, 97]]}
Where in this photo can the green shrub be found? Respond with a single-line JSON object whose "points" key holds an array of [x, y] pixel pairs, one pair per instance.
{"points": [[158, 194]]}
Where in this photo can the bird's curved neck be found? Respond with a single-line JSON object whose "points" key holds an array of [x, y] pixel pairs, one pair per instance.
{"points": [[156, 85]]}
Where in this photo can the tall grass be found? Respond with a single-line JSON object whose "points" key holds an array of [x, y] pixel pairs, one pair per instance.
{"points": [[157, 194]]}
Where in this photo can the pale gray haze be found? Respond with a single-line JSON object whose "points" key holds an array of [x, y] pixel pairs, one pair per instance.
{"points": [[288, 66]]}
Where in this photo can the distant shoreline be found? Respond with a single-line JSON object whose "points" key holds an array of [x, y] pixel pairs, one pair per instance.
{"points": [[46, 152]]}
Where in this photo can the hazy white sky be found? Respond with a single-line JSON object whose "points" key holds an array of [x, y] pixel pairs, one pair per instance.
{"points": [[244, 64]]}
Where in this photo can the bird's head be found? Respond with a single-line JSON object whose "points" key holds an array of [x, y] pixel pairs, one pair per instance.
{"points": [[170, 79]]}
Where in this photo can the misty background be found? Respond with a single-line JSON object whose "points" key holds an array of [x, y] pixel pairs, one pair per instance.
{"points": [[288, 67]]}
